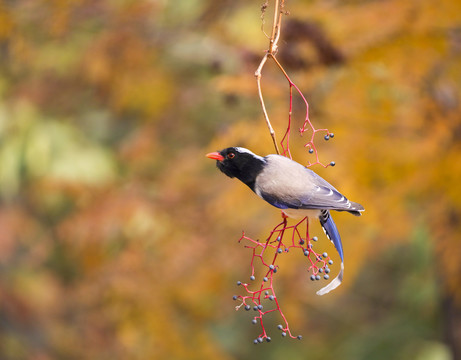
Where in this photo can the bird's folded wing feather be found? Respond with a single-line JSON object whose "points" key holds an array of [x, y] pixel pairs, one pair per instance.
{"points": [[319, 197], [287, 184]]}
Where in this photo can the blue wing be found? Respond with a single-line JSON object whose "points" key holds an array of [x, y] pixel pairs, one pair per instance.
{"points": [[286, 184], [317, 197]]}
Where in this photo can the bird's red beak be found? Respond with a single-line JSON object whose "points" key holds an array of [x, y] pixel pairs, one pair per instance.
{"points": [[215, 156]]}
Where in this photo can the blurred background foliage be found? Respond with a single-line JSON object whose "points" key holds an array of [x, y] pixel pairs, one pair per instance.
{"points": [[118, 238]]}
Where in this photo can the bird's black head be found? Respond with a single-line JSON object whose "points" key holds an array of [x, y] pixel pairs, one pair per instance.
{"points": [[240, 163]]}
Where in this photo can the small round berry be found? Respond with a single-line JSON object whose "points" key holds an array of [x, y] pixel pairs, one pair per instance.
{"points": [[260, 339], [275, 270], [255, 308], [235, 297], [268, 339], [317, 277], [332, 163], [326, 137], [254, 321], [266, 293], [326, 277], [324, 254], [279, 238], [239, 283], [312, 277], [247, 307], [327, 270], [260, 307], [311, 150], [271, 297], [252, 278], [286, 250], [330, 262], [315, 238], [284, 334], [255, 341], [299, 337], [332, 135], [279, 250], [280, 327], [265, 279], [301, 242], [320, 270], [272, 267]]}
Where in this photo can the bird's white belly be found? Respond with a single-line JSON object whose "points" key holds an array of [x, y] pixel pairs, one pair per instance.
{"points": [[300, 213]]}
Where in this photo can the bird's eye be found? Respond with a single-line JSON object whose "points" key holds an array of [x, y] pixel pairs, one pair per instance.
{"points": [[230, 155]]}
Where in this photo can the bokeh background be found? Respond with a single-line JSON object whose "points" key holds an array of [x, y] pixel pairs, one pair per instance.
{"points": [[118, 238]]}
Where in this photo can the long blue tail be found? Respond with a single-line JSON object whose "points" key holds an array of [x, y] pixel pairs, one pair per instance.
{"points": [[332, 233]]}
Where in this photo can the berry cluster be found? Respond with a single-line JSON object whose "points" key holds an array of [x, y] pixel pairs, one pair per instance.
{"points": [[311, 147], [307, 125], [260, 296]]}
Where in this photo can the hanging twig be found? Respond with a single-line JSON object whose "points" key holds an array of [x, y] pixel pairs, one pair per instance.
{"points": [[271, 51], [279, 11]]}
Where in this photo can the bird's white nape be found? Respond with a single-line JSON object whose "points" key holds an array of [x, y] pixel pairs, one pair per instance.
{"points": [[243, 150]]}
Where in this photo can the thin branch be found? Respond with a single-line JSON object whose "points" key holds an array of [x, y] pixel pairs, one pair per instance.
{"points": [[261, 99], [275, 28], [272, 50]]}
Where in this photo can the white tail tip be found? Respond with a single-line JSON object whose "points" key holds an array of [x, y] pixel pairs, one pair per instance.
{"points": [[334, 283]]}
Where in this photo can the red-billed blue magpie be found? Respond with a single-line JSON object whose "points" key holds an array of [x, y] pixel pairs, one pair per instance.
{"points": [[292, 187]]}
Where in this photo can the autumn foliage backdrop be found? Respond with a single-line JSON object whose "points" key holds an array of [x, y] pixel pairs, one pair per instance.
{"points": [[118, 238]]}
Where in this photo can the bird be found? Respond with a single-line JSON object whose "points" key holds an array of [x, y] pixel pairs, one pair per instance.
{"points": [[290, 186]]}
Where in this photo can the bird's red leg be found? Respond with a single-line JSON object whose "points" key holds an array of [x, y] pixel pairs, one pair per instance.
{"points": [[307, 228]]}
